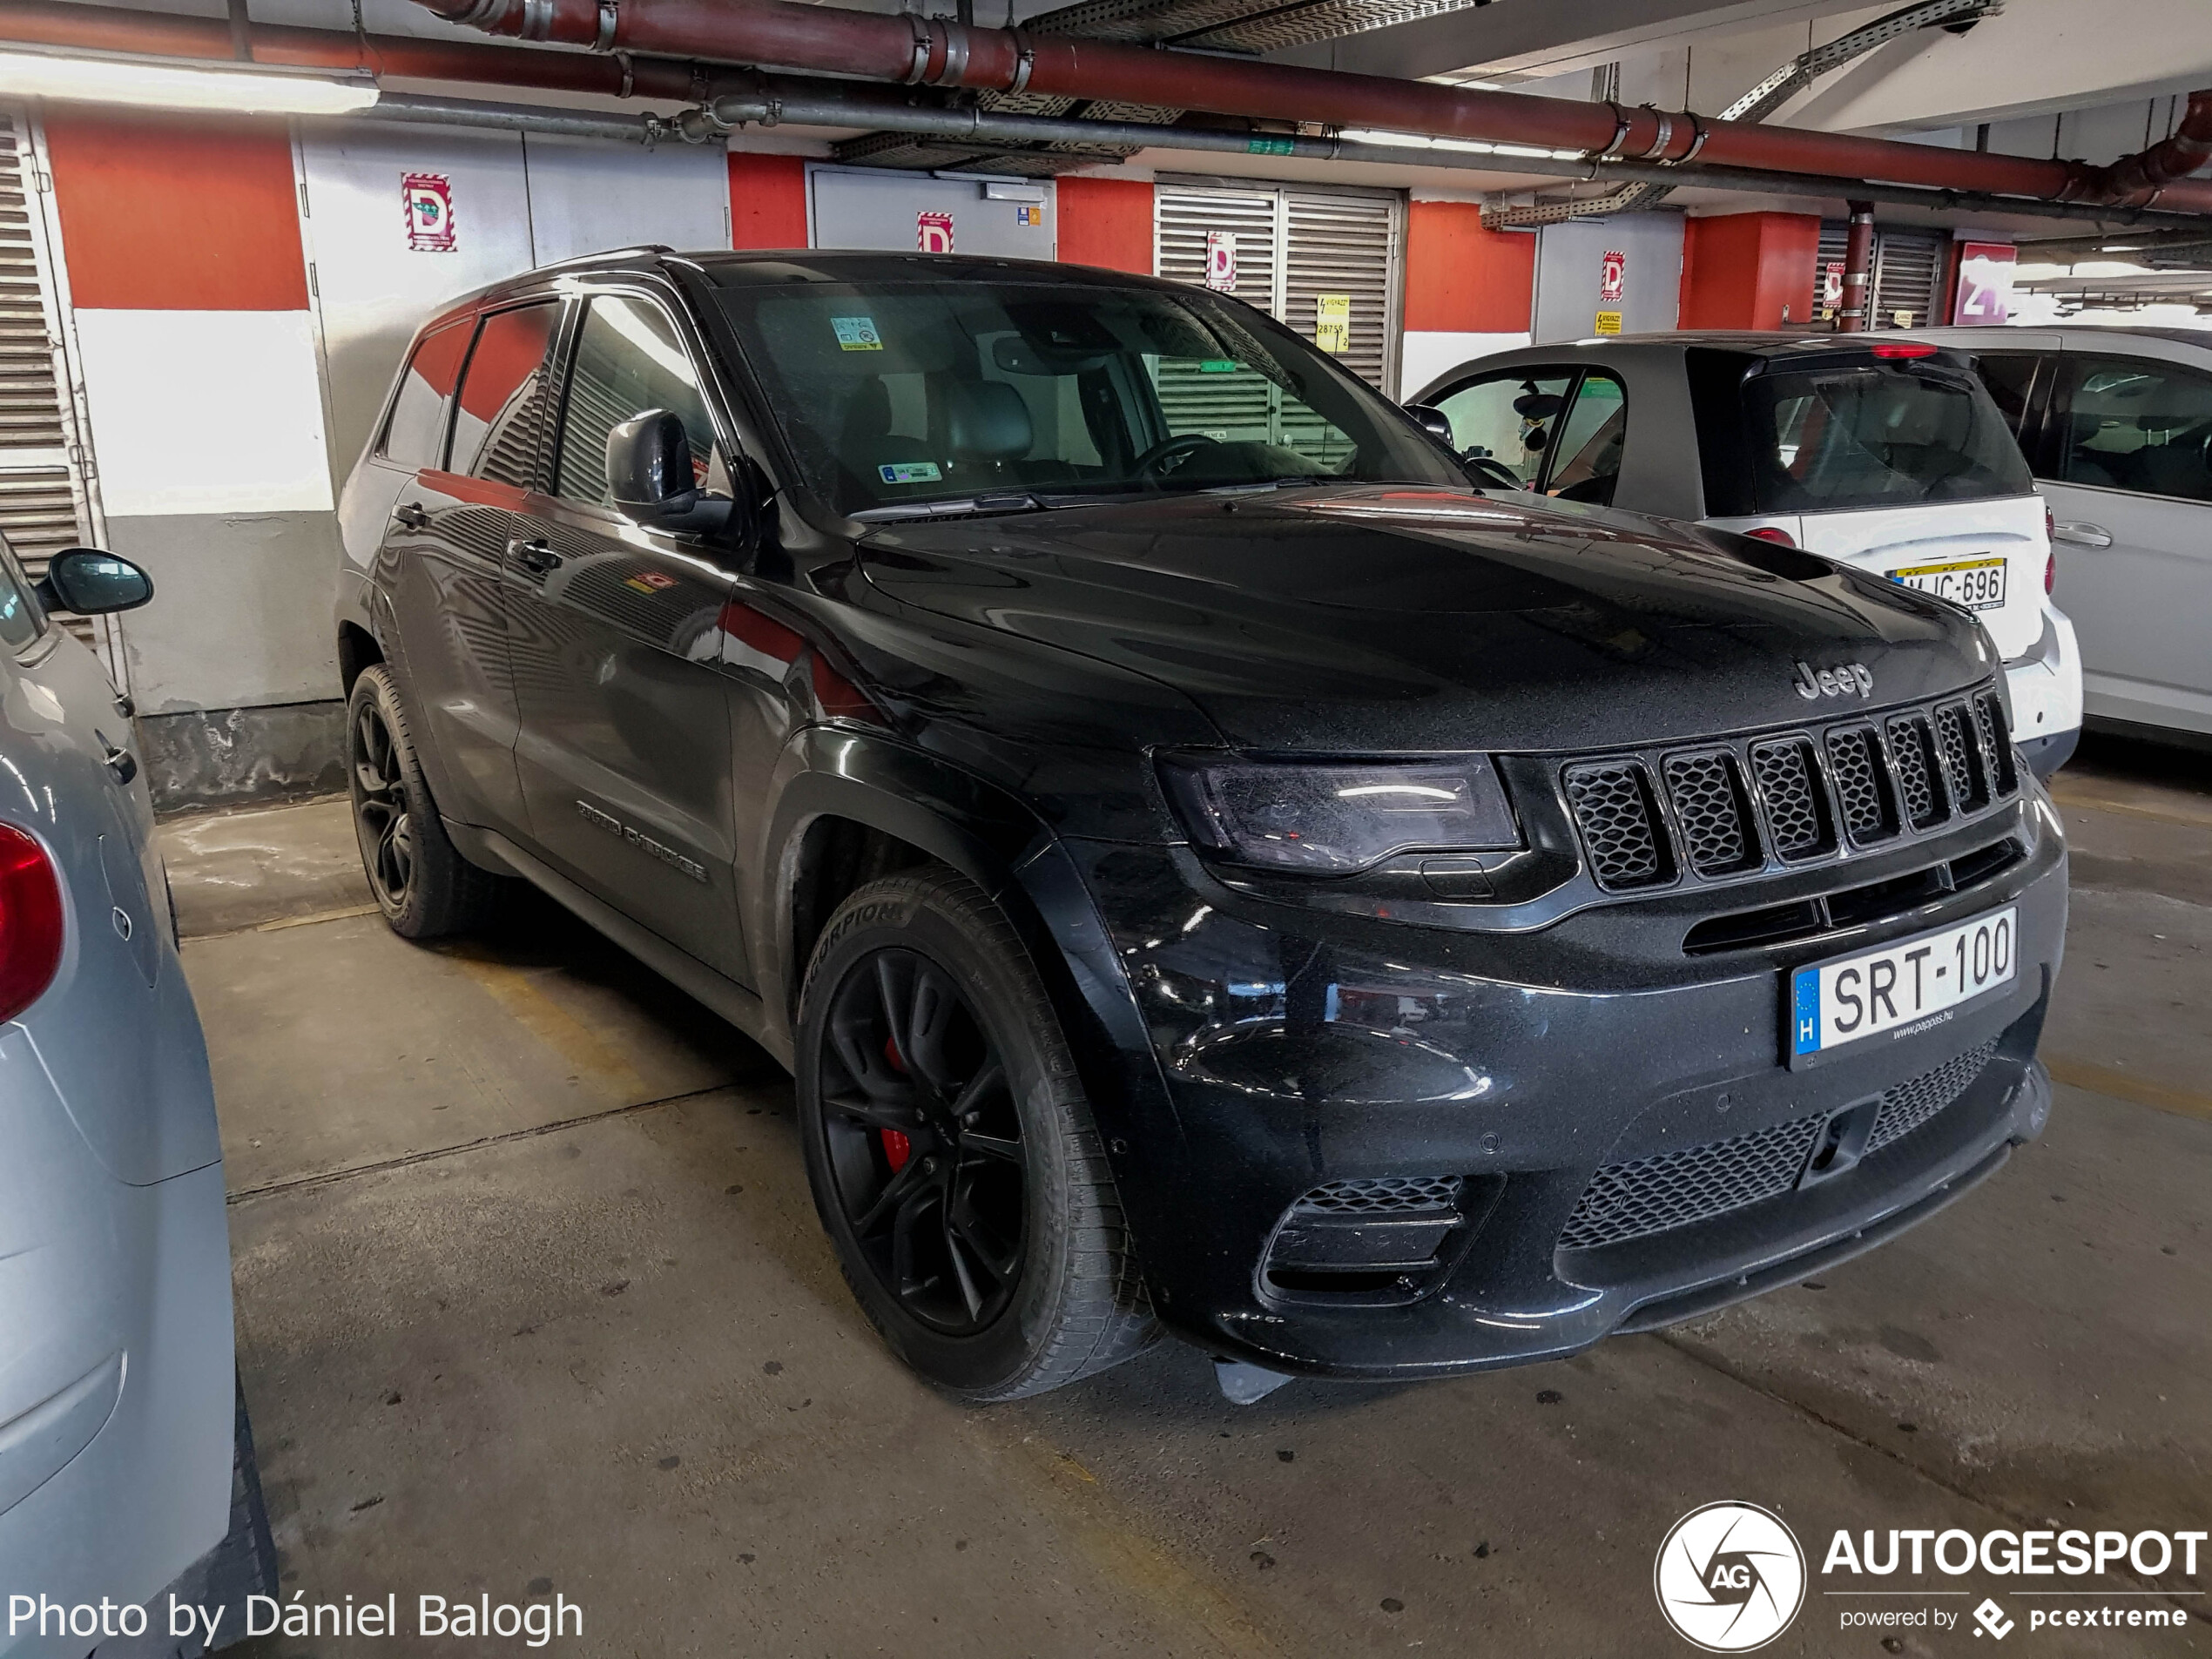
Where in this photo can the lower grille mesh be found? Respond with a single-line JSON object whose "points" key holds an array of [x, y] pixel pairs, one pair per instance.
{"points": [[1384, 1195], [1910, 1104], [1671, 1189]]}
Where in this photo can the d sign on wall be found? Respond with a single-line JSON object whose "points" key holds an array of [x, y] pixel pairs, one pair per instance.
{"points": [[934, 231], [427, 199]]}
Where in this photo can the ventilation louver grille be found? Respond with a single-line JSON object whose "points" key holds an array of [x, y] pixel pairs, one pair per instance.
{"points": [[1709, 810], [1795, 807]]}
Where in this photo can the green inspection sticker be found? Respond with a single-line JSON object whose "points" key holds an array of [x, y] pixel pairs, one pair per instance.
{"points": [[1217, 366], [857, 334], [910, 472]]}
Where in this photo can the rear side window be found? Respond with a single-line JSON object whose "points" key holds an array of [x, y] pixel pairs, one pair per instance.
{"points": [[1830, 440], [2131, 423], [2010, 377], [503, 405], [415, 435]]}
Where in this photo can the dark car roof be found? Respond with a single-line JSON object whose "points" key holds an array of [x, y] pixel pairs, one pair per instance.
{"points": [[1751, 343], [748, 266]]}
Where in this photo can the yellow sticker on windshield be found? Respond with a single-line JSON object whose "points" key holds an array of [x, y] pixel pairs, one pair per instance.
{"points": [[857, 334]]}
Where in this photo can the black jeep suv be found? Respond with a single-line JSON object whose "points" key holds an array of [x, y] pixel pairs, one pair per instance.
{"points": [[1208, 864]]}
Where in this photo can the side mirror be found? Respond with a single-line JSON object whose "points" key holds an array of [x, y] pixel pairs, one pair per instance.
{"points": [[651, 478], [1432, 420], [90, 583]]}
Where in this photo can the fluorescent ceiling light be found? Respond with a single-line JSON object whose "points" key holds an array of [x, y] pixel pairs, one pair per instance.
{"points": [[104, 78], [1465, 146]]}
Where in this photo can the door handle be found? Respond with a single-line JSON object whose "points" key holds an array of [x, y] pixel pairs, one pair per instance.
{"points": [[2083, 535], [411, 515], [534, 555]]}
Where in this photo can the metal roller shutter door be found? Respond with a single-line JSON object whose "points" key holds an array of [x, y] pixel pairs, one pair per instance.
{"points": [[43, 498]]}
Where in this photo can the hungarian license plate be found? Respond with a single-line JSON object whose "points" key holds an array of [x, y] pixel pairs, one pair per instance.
{"points": [[1979, 584], [1902, 988]]}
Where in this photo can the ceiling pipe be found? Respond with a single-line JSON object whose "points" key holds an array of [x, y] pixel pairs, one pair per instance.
{"points": [[117, 29], [938, 51], [773, 100]]}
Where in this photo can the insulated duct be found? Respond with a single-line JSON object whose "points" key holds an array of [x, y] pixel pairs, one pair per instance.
{"points": [[913, 50]]}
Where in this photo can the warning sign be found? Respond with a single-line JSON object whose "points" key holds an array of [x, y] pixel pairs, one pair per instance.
{"points": [[1221, 261], [1612, 276], [1332, 323], [427, 198], [1608, 322], [934, 231]]}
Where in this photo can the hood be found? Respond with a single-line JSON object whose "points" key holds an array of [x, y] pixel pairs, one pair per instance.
{"points": [[1375, 621]]}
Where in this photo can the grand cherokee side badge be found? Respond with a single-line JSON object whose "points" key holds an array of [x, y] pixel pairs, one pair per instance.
{"points": [[1813, 683], [645, 844]]}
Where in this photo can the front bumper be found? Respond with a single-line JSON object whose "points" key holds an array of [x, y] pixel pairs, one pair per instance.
{"points": [[1301, 1048]]}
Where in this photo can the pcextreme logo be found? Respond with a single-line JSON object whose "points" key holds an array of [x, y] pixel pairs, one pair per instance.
{"points": [[1730, 1577]]}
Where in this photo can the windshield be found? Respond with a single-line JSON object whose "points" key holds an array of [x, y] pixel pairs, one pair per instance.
{"points": [[899, 394], [1828, 439]]}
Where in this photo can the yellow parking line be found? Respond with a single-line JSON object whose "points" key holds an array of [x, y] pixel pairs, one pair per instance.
{"points": [[2115, 1084], [516, 990], [2080, 798]]}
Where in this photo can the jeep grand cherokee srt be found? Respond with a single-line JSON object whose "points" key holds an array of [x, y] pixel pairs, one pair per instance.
{"points": [[1209, 864]]}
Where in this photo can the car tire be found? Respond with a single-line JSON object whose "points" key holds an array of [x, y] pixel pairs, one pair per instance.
{"points": [[419, 879], [1016, 1274]]}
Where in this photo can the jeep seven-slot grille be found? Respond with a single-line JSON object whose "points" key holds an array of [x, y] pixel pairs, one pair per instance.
{"points": [[1671, 1189], [1723, 810], [1613, 804]]}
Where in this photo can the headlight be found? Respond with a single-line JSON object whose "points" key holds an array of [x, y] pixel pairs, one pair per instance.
{"points": [[1333, 820]]}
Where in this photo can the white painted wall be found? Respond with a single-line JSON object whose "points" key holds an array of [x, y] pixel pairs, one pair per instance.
{"points": [[204, 411], [1428, 354]]}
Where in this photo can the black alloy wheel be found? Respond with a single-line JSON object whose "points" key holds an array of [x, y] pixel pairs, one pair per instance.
{"points": [[380, 816], [419, 878], [951, 1150], [925, 1144]]}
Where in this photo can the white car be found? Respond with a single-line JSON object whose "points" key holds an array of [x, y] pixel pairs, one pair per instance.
{"points": [[2116, 424], [1872, 450]]}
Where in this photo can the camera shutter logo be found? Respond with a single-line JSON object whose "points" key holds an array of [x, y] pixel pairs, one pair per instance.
{"points": [[1730, 1577]]}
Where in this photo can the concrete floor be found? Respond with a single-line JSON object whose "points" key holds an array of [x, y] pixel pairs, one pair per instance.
{"points": [[531, 1299]]}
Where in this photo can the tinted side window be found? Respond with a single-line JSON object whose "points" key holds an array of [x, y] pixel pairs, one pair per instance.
{"points": [[1586, 460], [20, 622], [2132, 424], [629, 358], [2010, 377], [502, 415], [1509, 418], [415, 434]]}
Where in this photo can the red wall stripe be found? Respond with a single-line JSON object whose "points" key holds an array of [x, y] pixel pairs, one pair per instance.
{"points": [[768, 200], [1106, 222], [177, 214], [1461, 278]]}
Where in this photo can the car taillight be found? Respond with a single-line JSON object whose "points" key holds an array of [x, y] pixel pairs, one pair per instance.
{"points": [[2050, 550], [31, 921], [1904, 348], [1775, 533]]}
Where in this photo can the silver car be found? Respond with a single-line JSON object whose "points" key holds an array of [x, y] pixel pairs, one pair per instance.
{"points": [[2116, 424], [119, 1424]]}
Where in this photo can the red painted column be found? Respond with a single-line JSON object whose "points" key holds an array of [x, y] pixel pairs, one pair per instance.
{"points": [[768, 200], [1746, 270]]}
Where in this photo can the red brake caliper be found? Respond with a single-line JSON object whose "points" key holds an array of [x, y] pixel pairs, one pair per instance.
{"points": [[897, 1149]]}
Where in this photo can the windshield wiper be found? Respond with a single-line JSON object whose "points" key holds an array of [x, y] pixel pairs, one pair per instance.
{"points": [[1017, 501]]}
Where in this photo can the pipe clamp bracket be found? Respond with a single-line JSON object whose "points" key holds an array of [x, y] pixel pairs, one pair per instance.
{"points": [[609, 17]]}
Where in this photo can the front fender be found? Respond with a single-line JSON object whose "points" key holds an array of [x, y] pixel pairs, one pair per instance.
{"points": [[991, 837]]}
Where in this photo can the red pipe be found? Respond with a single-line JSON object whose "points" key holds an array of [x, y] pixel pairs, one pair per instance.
{"points": [[65, 23], [1859, 271], [936, 51]]}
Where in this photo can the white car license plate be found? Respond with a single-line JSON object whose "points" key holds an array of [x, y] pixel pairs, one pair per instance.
{"points": [[1979, 584], [1903, 988]]}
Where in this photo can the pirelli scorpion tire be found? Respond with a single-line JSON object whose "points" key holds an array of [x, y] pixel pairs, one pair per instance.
{"points": [[951, 1149], [423, 886]]}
